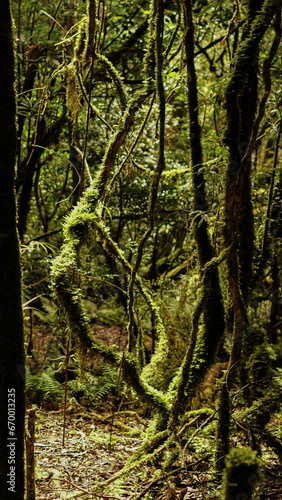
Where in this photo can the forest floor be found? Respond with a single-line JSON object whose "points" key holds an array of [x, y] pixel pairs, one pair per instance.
{"points": [[97, 444]]}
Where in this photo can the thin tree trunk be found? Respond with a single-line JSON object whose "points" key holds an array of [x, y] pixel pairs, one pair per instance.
{"points": [[30, 469], [12, 382], [211, 305]]}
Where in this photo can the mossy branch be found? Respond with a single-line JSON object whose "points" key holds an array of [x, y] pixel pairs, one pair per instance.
{"points": [[129, 153], [116, 78], [158, 22], [139, 458], [266, 79], [69, 298], [242, 474], [191, 366], [151, 371], [202, 349], [243, 60]]}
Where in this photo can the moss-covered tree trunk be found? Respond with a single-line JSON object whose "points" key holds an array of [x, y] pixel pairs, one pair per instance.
{"points": [[12, 381], [241, 106], [203, 347]]}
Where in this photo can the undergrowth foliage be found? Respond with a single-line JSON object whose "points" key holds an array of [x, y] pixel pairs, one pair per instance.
{"points": [[87, 388], [43, 387]]}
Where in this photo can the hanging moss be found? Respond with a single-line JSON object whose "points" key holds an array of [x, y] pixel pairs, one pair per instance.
{"points": [[84, 46], [73, 93], [80, 44], [241, 475]]}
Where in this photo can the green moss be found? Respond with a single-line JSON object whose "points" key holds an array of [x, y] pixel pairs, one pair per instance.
{"points": [[150, 59], [140, 351], [241, 475], [260, 358], [204, 356], [79, 225], [73, 92], [148, 453], [244, 59], [205, 412], [212, 330], [79, 229], [259, 413], [80, 39], [173, 452], [116, 79]]}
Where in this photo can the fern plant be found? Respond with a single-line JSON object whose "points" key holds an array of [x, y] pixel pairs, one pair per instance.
{"points": [[43, 387], [92, 387]]}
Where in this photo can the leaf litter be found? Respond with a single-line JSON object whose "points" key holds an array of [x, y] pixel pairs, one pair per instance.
{"points": [[94, 451], [96, 448]]}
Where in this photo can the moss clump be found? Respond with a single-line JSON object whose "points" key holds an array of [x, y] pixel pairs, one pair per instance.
{"points": [[258, 365], [259, 414], [241, 475], [73, 93]]}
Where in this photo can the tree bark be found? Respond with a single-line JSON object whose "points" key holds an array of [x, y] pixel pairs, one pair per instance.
{"points": [[241, 106], [211, 307], [12, 384]]}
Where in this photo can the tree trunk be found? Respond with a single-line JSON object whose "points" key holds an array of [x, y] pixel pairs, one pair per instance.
{"points": [[241, 106], [12, 386]]}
